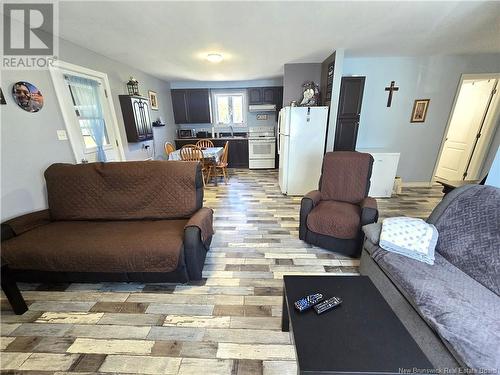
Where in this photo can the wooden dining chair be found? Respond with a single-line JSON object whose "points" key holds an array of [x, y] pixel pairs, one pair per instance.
{"points": [[194, 153], [204, 143], [220, 169], [169, 148]]}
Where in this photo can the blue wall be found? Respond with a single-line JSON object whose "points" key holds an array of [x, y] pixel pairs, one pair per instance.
{"points": [[435, 78]]}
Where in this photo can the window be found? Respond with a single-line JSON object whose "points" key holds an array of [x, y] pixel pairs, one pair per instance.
{"points": [[229, 107], [85, 97]]}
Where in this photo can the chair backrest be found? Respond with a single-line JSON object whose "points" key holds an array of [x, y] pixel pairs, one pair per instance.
{"points": [[169, 147], [345, 176], [191, 153], [223, 159], [204, 143]]}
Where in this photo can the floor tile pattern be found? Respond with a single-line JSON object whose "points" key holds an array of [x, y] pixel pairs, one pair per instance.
{"points": [[229, 323]]}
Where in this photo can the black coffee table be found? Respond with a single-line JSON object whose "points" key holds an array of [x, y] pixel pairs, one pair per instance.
{"points": [[361, 336]]}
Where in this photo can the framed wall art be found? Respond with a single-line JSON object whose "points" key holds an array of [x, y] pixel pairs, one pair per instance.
{"points": [[2, 98], [420, 108], [153, 99], [27, 96]]}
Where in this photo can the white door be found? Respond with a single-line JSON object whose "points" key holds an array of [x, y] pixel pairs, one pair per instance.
{"points": [[87, 110], [466, 120]]}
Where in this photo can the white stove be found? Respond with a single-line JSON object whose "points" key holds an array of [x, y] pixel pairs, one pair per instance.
{"points": [[261, 147]]}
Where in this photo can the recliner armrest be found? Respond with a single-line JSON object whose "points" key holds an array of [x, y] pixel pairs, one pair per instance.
{"points": [[309, 201], [25, 223], [314, 195], [369, 211]]}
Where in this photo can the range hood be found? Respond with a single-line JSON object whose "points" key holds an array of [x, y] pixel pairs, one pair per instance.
{"points": [[262, 108]]}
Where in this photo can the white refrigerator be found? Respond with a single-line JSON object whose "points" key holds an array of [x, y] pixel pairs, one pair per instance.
{"points": [[301, 145]]}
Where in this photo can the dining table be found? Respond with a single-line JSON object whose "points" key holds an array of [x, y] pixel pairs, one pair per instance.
{"points": [[211, 155]]}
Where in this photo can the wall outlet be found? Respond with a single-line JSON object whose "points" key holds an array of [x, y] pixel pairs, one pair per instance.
{"points": [[62, 135]]}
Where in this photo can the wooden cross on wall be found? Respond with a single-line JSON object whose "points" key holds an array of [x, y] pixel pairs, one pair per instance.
{"points": [[391, 89]]}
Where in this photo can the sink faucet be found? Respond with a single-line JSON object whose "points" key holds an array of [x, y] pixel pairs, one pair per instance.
{"points": [[232, 130]]}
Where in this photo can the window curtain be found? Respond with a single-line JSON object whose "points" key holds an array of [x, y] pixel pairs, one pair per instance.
{"points": [[86, 96]]}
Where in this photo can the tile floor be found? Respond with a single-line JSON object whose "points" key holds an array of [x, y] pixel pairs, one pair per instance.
{"points": [[229, 323]]}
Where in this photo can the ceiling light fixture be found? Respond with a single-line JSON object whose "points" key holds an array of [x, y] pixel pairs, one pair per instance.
{"points": [[215, 57]]}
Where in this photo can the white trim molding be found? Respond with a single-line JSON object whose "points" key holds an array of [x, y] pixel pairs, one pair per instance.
{"points": [[67, 110]]}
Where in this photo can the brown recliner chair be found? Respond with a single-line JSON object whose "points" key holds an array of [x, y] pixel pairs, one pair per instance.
{"points": [[332, 216]]}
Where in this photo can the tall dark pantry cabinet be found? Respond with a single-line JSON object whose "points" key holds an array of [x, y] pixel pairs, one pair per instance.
{"points": [[136, 117], [351, 97]]}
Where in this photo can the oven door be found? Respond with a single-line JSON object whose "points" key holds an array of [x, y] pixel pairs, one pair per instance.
{"points": [[261, 148]]}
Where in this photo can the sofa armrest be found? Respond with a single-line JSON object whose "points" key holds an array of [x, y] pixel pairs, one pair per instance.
{"points": [[203, 220], [309, 201], [24, 223], [369, 211], [198, 233], [372, 232]]}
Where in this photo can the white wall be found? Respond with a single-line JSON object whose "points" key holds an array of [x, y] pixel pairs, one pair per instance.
{"points": [[28, 140], [434, 77]]}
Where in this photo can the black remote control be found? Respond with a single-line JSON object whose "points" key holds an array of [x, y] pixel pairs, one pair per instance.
{"points": [[306, 303], [327, 305]]}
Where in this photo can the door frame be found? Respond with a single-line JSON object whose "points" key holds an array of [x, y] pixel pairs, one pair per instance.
{"points": [[68, 113], [492, 118]]}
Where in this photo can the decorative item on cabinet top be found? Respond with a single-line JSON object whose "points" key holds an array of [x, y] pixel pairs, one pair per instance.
{"points": [[136, 118], [133, 86]]}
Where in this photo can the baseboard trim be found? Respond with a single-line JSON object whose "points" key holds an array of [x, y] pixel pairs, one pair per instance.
{"points": [[418, 184]]}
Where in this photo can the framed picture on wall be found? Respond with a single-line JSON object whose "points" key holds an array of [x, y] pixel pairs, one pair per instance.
{"points": [[153, 100], [420, 108], [2, 98]]}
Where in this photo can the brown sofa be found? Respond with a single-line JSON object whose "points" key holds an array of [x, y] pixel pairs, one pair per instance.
{"points": [[130, 221], [332, 216]]}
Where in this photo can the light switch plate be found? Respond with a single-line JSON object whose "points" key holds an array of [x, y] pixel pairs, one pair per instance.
{"points": [[62, 135]]}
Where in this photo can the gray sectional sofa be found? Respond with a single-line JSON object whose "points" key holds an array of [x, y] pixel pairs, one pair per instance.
{"points": [[452, 308]]}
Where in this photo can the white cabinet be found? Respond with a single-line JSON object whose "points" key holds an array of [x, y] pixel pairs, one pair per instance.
{"points": [[385, 165]]}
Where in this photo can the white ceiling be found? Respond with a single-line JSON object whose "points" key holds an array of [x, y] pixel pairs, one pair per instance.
{"points": [[171, 39]]}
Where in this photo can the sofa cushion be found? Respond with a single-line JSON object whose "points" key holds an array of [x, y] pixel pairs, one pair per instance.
{"points": [[337, 219], [123, 191], [462, 311], [468, 222], [98, 246], [346, 176]]}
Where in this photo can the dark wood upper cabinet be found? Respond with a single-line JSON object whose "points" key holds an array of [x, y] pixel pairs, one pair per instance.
{"points": [[255, 95], [198, 102], [191, 106], [348, 115], [268, 95], [179, 106], [136, 118]]}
